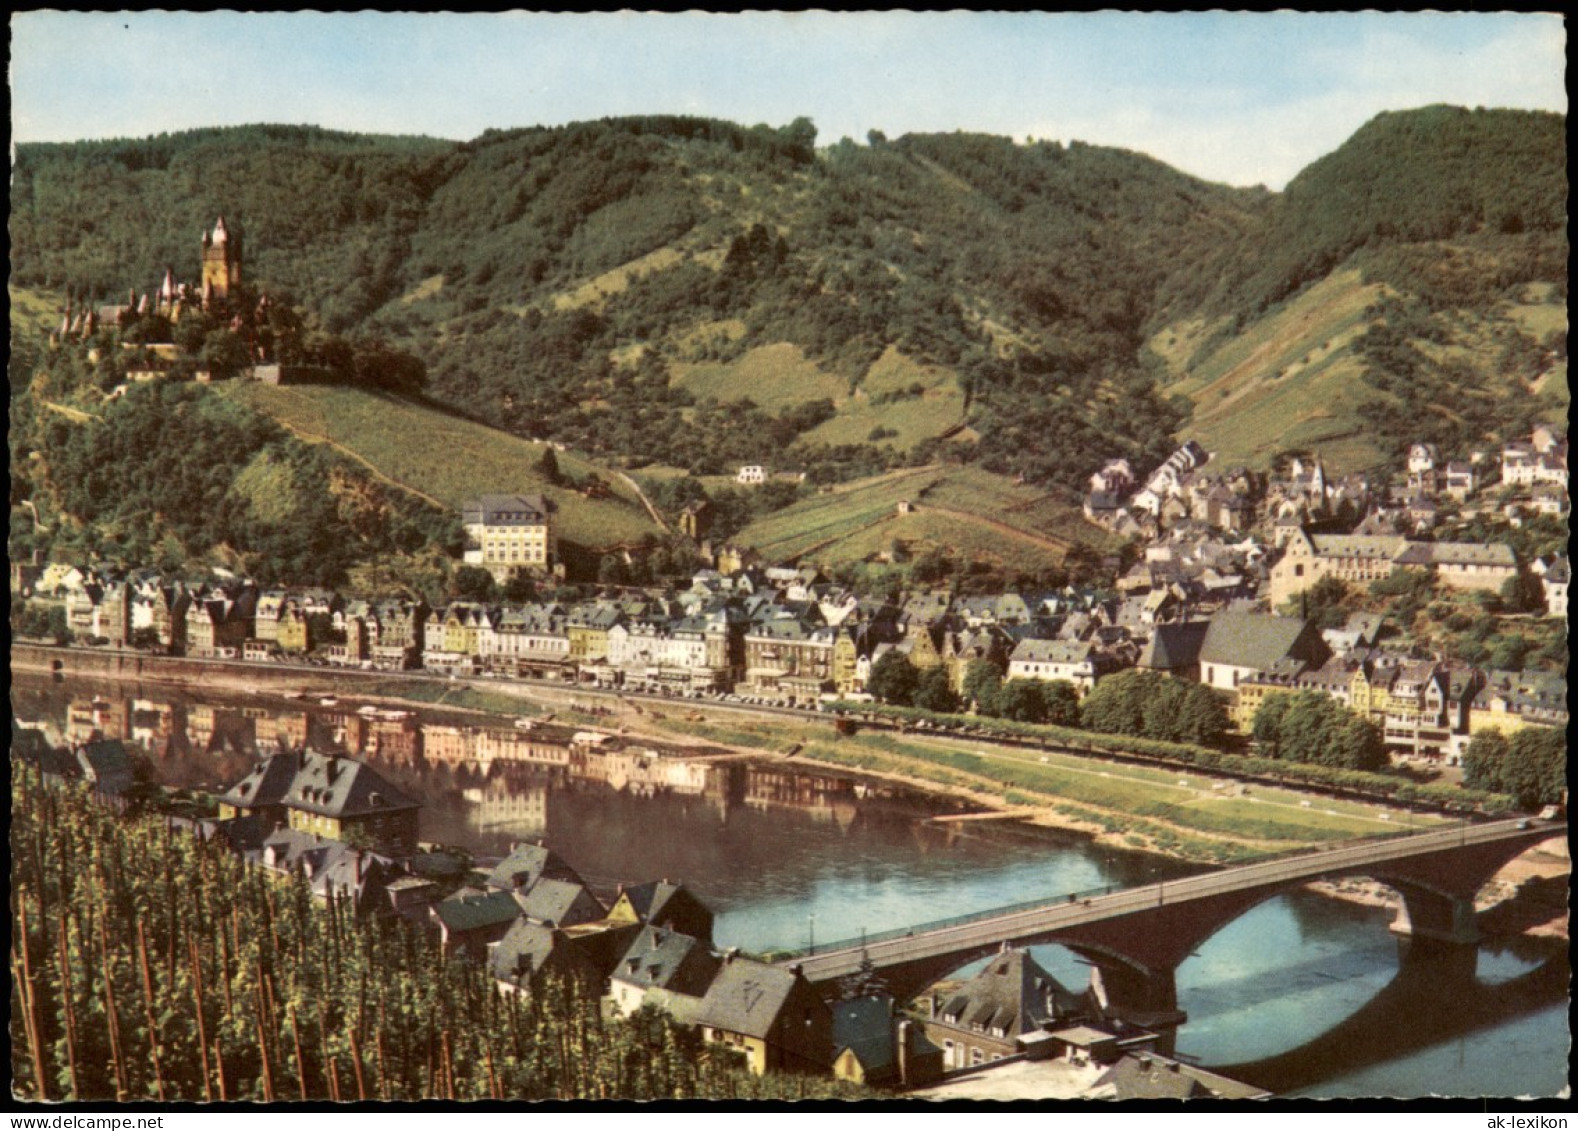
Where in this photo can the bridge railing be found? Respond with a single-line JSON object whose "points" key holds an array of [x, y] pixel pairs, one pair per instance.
{"points": [[938, 924]]}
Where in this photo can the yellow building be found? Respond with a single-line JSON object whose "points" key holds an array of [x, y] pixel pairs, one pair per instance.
{"points": [[326, 795], [510, 534], [770, 1014]]}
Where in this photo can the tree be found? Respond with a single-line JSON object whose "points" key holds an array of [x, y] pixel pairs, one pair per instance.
{"points": [[893, 679], [982, 681], [1311, 727], [1324, 604], [1116, 705], [1062, 703], [1538, 766], [520, 587], [933, 691], [1483, 760], [548, 465], [1267, 728], [224, 353], [1202, 716], [1023, 701], [473, 583]]}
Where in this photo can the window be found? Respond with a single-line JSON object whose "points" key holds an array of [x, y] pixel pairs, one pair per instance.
{"points": [[977, 1057]]}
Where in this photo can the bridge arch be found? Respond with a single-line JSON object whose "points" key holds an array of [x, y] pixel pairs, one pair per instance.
{"points": [[1137, 937]]}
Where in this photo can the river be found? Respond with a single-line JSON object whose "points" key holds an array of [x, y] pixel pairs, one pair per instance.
{"points": [[1305, 995]]}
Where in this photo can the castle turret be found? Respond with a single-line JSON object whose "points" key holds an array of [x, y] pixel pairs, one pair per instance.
{"points": [[221, 263]]}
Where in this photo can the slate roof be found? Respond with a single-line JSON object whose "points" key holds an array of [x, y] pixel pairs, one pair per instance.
{"points": [[1259, 640], [1457, 553], [864, 1025], [664, 959], [342, 787], [528, 863], [317, 783], [1174, 646], [474, 912], [107, 763], [29, 745], [559, 903], [664, 904], [507, 510], [528, 948], [1013, 993], [746, 997]]}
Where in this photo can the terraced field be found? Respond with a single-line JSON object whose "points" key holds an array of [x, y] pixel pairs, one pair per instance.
{"points": [[447, 459], [912, 401], [968, 512], [1289, 381]]}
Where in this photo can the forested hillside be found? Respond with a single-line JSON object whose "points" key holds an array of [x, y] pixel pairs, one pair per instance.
{"points": [[1411, 286], [695, 294]]}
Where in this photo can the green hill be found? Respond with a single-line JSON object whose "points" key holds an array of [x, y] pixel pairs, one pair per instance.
{"points": [[962, 520], [692, 294], [447, 460], [1409, 286]]}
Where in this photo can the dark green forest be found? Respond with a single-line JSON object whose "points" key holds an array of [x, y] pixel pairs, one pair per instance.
{"points": [[1033, 272]]}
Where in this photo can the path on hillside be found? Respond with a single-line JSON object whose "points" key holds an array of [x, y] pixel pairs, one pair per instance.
{"points": [[377, 473], [646, 502], [70, 413]]}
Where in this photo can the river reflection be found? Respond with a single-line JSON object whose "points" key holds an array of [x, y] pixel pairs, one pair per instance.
{"points": [[1303, 994]]}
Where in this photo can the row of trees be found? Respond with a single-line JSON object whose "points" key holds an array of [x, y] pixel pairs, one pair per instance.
{"points": [[1312, 727], [1138, 703], [148, 966], [1531, 765]]}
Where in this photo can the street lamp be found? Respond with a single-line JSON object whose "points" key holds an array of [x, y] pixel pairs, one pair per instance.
{"points": [[810, 934]]}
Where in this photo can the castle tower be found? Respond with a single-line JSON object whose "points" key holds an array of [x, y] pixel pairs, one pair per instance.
{"points": [[221, 263]]}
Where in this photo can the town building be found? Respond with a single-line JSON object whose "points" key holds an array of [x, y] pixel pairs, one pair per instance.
{"points": [[328, 795], [771, 1014], [985, 1018], [510, 534]]}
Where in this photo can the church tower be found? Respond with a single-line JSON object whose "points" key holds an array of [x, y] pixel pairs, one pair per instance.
{"points": [[221, 263]]}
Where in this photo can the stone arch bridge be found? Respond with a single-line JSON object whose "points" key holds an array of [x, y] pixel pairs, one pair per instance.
{"points": [[1136, 938]]}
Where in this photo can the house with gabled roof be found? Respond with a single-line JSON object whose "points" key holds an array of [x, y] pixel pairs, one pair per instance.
{"points": [[875, 1046], [1239, 646], [770, 1014], [659, 903], [528, 863], [983, 1019], [559, 903], [529, 952], [660, 966], [468, 922], [328, 795]]}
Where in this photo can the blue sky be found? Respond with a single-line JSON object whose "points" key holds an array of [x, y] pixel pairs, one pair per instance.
{"points": [[1244, 99]]}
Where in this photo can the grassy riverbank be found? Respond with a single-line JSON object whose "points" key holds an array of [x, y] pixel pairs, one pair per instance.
{"points": [[1191, 815], [1183, 812]]}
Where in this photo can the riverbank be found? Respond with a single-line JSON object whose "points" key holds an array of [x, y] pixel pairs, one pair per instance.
{"points": [[1194, 818], [1527, 897]]}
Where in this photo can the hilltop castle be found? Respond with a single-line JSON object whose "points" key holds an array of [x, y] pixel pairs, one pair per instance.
{"points": [[221, 279]]}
